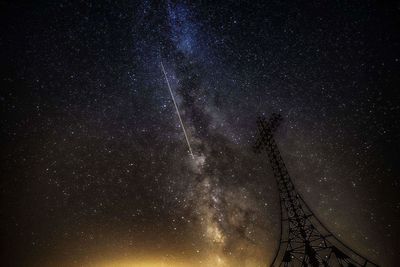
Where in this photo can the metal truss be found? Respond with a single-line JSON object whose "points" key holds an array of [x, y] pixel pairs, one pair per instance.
{"points": [[304, 240]]}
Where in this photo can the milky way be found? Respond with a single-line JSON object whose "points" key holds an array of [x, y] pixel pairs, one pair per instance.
{"points": [[95, 166]]}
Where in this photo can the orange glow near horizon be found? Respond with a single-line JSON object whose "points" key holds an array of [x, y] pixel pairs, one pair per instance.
{"points": [[211, 260], [142, 263]]}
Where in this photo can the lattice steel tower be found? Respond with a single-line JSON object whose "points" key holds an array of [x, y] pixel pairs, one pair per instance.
{"points": [[304, 240]]}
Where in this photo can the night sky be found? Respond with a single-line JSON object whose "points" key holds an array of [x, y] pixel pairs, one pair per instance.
{"points": [[95, 168]]}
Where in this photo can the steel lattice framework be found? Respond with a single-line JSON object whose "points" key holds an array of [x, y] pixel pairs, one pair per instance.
{"points": [[304, 240]]}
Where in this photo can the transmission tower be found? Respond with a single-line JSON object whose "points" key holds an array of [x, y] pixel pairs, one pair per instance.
{"points": [[304, 240]]}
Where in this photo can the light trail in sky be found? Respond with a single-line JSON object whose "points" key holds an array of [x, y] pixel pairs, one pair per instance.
{"points": [[177, 111]]}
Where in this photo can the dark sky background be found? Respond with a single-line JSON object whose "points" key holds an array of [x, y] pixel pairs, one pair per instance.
{"points": [[95, 169]]}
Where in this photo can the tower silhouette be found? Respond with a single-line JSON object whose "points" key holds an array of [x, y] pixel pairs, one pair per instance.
{"points": [[304, 240]]}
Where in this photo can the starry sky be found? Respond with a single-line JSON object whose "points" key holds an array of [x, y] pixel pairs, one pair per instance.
{"points": [[95, 169]]}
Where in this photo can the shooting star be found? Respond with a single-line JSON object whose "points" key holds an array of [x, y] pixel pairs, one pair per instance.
{"points": [[177, 111]]}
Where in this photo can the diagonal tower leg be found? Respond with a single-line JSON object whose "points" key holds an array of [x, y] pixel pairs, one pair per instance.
{"points": [[304, 240]]}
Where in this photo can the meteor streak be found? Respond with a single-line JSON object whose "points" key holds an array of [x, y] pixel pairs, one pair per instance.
{"points": [[177, 111]]}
